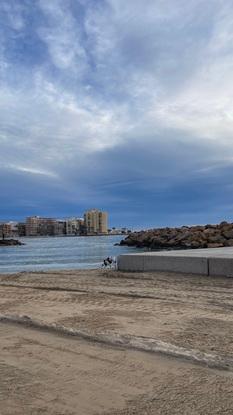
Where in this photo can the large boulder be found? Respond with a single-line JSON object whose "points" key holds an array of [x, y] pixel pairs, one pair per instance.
{"points": [[228, 234], [228, 242], [215, 239], [214, 245]]}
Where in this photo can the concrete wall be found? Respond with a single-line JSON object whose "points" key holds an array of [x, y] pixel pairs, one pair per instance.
{"points": [[221, 266], [199, 265], [140, 262]]}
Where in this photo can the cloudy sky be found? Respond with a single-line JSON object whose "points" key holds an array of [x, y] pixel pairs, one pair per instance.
{"points": [[125, 105]]}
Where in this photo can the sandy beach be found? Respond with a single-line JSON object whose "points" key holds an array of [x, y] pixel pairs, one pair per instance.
{"points": [[109, 343]]}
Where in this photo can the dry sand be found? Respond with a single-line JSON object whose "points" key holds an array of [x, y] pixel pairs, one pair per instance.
{"points": [[77, 342]]}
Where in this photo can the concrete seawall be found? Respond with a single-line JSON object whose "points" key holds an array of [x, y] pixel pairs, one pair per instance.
{"points": [[212, 261]]}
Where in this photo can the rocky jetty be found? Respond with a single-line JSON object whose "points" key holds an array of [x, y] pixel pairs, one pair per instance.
{"points": [[10, 242], [186, 237]]}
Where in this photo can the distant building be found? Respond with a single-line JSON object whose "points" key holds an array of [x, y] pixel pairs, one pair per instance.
{"points": [[119, 231], [5, 230], [74, 226], [46, 227], [12, 229], [32, 226], [37, 226], [8, 229], [21, 227], [58, 228], [96, 222]]}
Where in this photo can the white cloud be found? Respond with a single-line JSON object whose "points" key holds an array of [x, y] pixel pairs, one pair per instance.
{"points": [[13, 13], [31, 170], [62, 35], [202, 105]]}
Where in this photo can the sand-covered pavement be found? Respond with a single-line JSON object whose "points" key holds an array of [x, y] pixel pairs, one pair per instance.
{"points": [[109, 343]]}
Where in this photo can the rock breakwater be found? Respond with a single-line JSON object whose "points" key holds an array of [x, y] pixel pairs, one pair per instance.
{"points": [[10, 242], [185, 237]]}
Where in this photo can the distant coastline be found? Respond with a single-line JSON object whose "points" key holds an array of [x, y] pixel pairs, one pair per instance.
{"points": [[94, 223]]}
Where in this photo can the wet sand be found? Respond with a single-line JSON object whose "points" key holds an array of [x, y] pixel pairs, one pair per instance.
{"points": [[104, 342]]}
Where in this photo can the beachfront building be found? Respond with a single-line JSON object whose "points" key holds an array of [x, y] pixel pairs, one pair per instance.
{"points": [[96, 222], [21, 227], [74, 226], [12, 229], [8, 229], [58, 228], [32, 225], [5, 230], [37, 226]]}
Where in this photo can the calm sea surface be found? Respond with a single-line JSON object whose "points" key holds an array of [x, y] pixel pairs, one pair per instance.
{"points": [[59, 253]]}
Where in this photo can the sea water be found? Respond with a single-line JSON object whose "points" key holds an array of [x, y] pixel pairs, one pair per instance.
{"points": [[45, 253]]}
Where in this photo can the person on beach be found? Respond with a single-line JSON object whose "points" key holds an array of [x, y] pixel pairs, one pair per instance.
{"points": [[109, 262], [105, 263]]}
